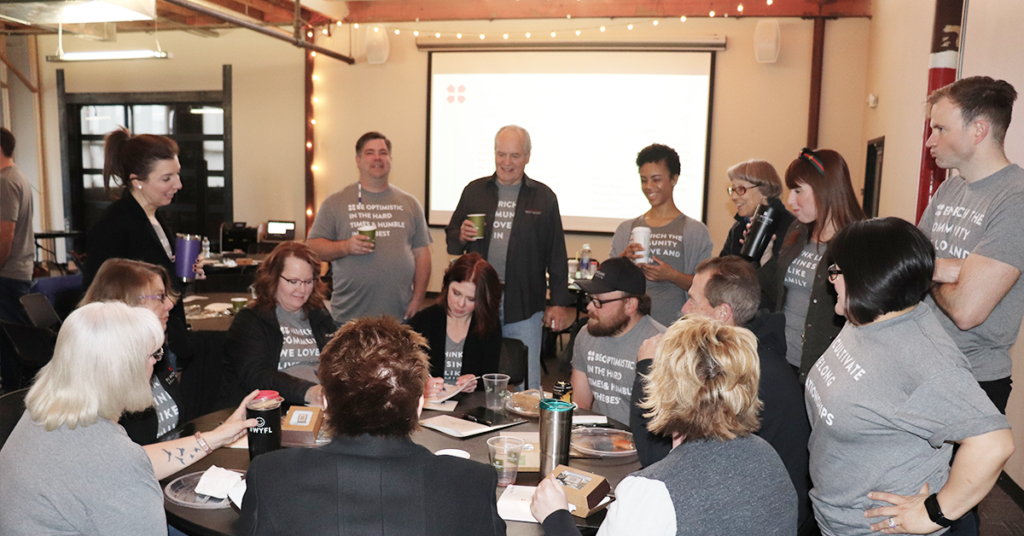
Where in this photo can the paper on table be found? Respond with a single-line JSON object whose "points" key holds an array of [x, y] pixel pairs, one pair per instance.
{"points": [[457, 427], [514, 504], [240, 443], [589, 419], [449, 391], [217, 307], [236, 493], [216, 482], [191, 299], [446, 406]]}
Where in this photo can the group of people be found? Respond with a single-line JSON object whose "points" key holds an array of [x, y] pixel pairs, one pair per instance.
{"points": [[821, 387]]}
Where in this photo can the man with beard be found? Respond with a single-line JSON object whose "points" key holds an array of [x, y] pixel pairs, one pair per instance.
{"points": [[604, 357]]}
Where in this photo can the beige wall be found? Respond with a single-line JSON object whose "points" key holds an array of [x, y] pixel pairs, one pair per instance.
{"points": [[268, 107], [760, 110]]}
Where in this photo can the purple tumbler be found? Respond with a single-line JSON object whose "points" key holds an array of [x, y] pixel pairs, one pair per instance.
{"points": [[186, 252]]}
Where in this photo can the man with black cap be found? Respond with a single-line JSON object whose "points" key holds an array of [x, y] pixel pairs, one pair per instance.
{"points": [[604, 357]]}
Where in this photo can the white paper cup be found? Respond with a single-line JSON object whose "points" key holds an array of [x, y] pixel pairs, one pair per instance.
{"points": [[642, 236]]}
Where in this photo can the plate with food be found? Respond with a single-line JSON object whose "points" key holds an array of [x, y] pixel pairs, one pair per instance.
{"points": [[525, 403], [603, 442]]}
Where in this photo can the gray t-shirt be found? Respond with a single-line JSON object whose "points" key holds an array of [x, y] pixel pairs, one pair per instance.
{"points": [[885, 401], [300, 355], [452, 359], [983, 217], [610, 366], [379, 282], [504, 215], [798, 282], [683, 244], [16, 206], [166, 408], [91, 481]]}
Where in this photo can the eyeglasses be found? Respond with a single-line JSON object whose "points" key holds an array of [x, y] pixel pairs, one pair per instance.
{"points": [[297, 282], [738, 190], [598, 303], [158, 354], [157, 297], [833, 273]]}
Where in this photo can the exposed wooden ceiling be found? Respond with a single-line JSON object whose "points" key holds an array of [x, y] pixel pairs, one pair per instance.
{"points": [[282, 12]]}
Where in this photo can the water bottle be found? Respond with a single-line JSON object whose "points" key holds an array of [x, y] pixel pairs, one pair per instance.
{"points": [[206, 247], [585, 258], [763, 225]]}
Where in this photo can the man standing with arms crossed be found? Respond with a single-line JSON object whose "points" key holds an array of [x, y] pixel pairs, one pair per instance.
{"points": [[523, 241], [974, 220], [388, 275]]}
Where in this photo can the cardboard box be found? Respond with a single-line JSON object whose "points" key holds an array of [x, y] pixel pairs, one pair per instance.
{"points": [[586, 491], [301, 426], [529, 459]]}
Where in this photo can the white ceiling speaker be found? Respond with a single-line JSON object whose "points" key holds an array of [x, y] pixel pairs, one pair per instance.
{"points": [[767, 41], [377, 45]]}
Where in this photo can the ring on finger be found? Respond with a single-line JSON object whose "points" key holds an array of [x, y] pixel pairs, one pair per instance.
{"points": [[892, 522]]}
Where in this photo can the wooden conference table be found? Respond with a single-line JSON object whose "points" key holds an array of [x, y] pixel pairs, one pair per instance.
{"points": [[225, 522]]}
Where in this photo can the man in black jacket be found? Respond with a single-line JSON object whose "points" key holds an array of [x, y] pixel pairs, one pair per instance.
{"points": [[522, 239], [726, 289]]}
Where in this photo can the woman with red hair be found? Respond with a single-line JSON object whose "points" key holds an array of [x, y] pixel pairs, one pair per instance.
{"points": [[463, 329]]}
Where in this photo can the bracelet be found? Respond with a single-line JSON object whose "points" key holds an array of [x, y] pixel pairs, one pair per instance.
{"points": [[931, 504], [202, 443]]}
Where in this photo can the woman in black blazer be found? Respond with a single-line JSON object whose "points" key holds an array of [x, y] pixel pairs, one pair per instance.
{"points": [[146, 168], [463, 330]]}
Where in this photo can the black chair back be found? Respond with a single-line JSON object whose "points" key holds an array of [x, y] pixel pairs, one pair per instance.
{"points": [[514, 360], [40, 312], [12, 406], [31, 347]]}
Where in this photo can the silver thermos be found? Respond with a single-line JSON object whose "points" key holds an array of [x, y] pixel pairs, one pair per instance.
{"points": [[555, 430]]}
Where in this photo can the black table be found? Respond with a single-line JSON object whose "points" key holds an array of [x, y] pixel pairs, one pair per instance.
{"points": [[224, 522]]}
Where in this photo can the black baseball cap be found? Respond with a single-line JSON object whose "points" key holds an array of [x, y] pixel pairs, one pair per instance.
{"points": [[617, 273]]}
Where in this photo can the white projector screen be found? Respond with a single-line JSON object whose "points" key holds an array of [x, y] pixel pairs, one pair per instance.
{"points": [[588, 114]]}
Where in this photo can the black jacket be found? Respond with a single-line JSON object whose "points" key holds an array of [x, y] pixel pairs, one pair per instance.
{"points": [[822, 324], [253, 349], [480, 356], [784, 423], [141, 426], [732, 241], [536, 247], [368, 485]]}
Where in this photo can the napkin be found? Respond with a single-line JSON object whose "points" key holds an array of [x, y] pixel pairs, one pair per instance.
{"points": [[216, 482]]}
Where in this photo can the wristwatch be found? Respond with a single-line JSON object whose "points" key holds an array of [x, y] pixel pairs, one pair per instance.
{"points": [[931, 504]]}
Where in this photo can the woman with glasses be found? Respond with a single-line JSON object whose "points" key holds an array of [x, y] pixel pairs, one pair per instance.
{"points": [[892, 395], [796, 280], [68, 468], [275, 341], [678, 242], [751, 184], [463, 331], [140, 284]]}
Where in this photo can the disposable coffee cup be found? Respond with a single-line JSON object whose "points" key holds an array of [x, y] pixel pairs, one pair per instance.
{"points": [[574, 267], [496, 391], [642, 236], [186, 252], [266, 435], [237, 304], [369, 231], [505, 453], [480, 221]]}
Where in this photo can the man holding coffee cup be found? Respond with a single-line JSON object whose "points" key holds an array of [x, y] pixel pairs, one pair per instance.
{"points": [[376, 238], [520, 234]]}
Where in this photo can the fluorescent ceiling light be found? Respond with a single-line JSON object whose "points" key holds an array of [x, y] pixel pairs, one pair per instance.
{"points": [[103, 55], [78, 11], [207, 110]]}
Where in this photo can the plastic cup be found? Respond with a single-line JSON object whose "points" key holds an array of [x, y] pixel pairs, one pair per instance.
{"points": [[574, 268], [266, 435], [496, 390], [642, 236], [186, 250], [369, 231], [480, 221], [237, 304], [504, 452]]}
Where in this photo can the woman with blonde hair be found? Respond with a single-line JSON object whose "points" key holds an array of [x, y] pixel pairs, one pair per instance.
{"points": [[68, 467], [719, 478]]}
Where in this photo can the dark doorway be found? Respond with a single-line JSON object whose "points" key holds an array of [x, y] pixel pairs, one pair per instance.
{"points": [[873, 176]]}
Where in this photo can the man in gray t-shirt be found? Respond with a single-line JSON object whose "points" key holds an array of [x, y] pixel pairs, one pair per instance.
{"points": [[604, 355], [388, 275], [974, 222], [17, 241]]}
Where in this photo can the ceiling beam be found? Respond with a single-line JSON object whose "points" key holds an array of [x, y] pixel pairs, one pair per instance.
{"points": [[409, 10]]}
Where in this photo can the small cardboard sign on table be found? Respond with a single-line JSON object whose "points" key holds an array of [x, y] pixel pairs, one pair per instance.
{"points": [[587, 492]]}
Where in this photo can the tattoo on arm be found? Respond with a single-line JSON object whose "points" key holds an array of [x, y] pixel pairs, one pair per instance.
{"points": [[182, 460], [181, 452], [168, 454]]}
